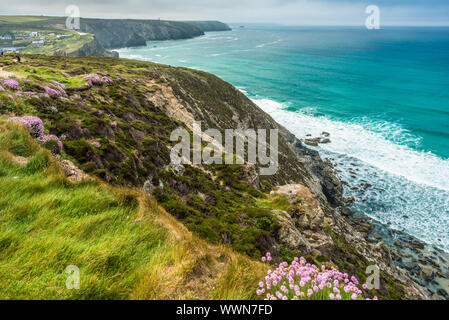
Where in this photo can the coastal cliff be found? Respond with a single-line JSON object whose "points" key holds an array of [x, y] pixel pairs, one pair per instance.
{"points": [[124, 33], [114, 118], [96, 36], [90, 48]]}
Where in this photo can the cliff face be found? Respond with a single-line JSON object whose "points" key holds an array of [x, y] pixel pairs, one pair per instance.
{"points": [[122, 33], [115, 118], [207, 26], [91, 48], [110, 33]]}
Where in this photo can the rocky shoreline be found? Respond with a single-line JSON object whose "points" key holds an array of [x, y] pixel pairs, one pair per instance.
{"points": [[425, 264]]}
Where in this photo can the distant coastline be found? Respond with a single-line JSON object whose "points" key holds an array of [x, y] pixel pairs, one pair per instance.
{"points": [[96, 37]]}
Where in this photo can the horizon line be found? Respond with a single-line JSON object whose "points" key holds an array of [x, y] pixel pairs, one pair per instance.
{"points": [[446, 24]]}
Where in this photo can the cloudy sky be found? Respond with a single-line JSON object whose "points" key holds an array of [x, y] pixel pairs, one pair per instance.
{"points": [[291, 12]]}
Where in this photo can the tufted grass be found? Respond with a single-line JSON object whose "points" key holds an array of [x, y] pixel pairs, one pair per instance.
{"points": [[124, 244]]}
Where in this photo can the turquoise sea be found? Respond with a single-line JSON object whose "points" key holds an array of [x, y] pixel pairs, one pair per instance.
{"points": [[383, 95]]}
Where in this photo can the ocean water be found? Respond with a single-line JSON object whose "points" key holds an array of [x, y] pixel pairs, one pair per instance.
{"points": [[383, 95]]}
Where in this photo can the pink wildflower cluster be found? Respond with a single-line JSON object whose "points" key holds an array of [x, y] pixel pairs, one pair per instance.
{"points": [[50, 137], [283, 212], [33, 123], [267, 257], [37, 130], [31, 94], [96, 144], [301, 280], [55, 89], [51, 91], [106, 80], [11, 83], [95, 79], [114, 124]]}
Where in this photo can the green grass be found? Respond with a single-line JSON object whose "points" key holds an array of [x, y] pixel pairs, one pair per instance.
{"points": [[123, 243], [55, 45], [47, 75], [21, 19]]}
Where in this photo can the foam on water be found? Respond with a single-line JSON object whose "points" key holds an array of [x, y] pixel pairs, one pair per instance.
{"points": [[410, 189], [369, 143]]}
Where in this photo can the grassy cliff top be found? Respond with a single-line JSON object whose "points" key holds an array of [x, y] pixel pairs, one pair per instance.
{"points": [[125, 245]]}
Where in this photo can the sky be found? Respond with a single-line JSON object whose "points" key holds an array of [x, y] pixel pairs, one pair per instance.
{"points": [[288, 12]]}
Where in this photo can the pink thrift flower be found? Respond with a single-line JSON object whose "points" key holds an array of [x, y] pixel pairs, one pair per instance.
{"points": [[11, 83], [51, 92], [50, 137], [33, 123], [96, 144], [354, 296]]}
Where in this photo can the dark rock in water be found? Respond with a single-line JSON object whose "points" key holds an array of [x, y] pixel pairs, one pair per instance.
{"points": [[377, 236], [404, 216], [325, 134], [312, 142], [428, 273], [365, 186], [397, 244], [346, 212], [443, 293], [348, 201], [417, 245], [324, 141]]}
